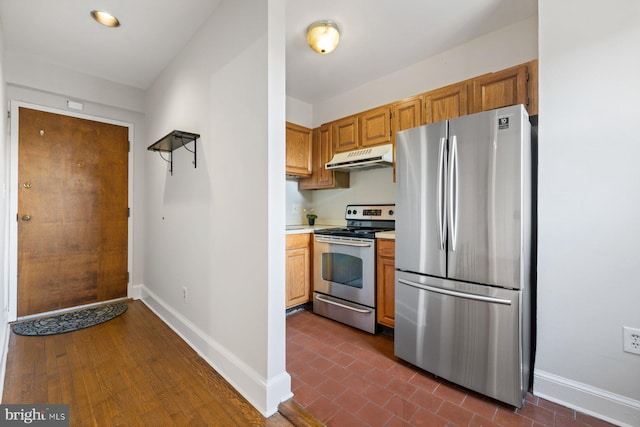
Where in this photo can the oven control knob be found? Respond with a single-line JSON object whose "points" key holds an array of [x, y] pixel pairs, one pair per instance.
{"points": [[349, 212], [355, 211], [390, 211]]}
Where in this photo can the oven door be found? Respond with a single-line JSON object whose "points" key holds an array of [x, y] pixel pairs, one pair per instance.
{"points": [[344, 267]]}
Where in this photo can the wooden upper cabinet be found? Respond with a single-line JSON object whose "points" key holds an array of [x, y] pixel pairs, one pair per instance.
{"points": [[375, 127], [345, 134], [298, 142], [406, 114], [322, 153], [500, 89], [446, 103]]}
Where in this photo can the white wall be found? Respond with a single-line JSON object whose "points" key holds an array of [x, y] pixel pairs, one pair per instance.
{"points": [[217, 229], [589, 206], [299, 112], [32, 72]]}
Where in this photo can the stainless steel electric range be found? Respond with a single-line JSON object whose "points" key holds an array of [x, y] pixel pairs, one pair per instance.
{"points": [[344, 262]]}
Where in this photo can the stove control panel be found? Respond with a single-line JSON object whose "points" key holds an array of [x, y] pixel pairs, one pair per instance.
{"points": [[371, 212]]}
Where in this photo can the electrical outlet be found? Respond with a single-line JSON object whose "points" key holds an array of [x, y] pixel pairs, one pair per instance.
{"points": [[631, 340], [295, 208], [184, 293]]}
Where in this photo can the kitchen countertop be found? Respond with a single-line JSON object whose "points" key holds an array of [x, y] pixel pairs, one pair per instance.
{"points": [[302, 229], [386, 235]]}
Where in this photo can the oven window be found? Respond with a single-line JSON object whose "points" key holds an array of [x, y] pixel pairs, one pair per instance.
{"points": [[342, 268]]}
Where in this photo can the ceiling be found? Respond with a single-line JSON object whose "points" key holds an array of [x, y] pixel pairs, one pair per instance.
{"points": [[377, 36]]}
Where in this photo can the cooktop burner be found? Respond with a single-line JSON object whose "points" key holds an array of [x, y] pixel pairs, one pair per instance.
{"points": [[364, 221]]}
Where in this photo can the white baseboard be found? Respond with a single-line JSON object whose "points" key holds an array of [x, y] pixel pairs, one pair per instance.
{"points": [[264, 395], [611, 407]]}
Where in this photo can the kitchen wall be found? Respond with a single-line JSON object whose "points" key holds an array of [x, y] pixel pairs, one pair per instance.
{"points": [[367, 187], [373, 186], [217, 230], [589, 206]]}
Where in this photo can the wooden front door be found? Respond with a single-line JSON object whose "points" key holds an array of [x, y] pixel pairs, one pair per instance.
{"points": [[72, 211]]}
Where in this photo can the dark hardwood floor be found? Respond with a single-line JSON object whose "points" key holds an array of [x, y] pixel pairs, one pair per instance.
{"points": [[131, 371]]}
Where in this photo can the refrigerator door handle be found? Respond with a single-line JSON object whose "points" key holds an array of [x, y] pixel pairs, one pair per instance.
{"points": [[455, 293], [442, 183], [453, 191]]}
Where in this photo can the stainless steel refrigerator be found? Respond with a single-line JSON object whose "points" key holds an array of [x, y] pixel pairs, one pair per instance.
{"points": [[463, 251]]}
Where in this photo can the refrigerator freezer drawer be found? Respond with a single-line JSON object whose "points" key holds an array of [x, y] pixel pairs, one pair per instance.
{"points": [[468, 334]]}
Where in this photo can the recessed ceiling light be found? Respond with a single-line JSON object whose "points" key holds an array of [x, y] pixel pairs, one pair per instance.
{"points": [[105, 18]]}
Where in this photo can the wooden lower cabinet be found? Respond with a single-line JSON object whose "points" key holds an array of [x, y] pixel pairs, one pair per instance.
{"points": [[386, 281], [298, 266]]}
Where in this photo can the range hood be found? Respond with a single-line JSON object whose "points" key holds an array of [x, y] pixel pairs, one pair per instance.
{"points": [[367, 158]]}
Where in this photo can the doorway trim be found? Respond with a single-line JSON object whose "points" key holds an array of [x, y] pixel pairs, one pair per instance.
{"points": [[11, 291]]}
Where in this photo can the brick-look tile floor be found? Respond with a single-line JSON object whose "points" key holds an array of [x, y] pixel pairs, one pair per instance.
{"points": [[346, 377]]}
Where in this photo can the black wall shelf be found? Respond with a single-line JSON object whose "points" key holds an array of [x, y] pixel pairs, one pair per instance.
{"points": [[172, 141]]}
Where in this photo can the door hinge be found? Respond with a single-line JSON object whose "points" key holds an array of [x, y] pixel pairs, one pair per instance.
{"points": [[128, 212], [9, 114], [527, 100], [128, 146], [127, 277], [527, 76]]}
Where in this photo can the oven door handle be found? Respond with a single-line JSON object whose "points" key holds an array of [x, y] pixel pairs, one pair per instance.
{"points": [[332, 242], [358, 310]]}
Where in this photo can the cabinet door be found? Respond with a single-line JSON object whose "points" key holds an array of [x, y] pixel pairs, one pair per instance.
{"points": [[298, 266], [501, 89], [446, 103], [375, 127], [345, 134], [322, 153], [407, 114], [386, 282], [298, 158]]}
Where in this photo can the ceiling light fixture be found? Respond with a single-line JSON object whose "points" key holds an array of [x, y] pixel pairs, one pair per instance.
{"points": [[323, 36], [105, 18]]}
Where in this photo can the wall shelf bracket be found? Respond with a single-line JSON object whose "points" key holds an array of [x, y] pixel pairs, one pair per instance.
{"points": [[172, 141]]}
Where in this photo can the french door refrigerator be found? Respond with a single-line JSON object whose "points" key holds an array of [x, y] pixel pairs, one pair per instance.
{"points": [[463, 251]]}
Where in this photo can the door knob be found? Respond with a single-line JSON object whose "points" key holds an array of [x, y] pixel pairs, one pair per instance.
{"points": [[27, 185], [26, 217]]}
